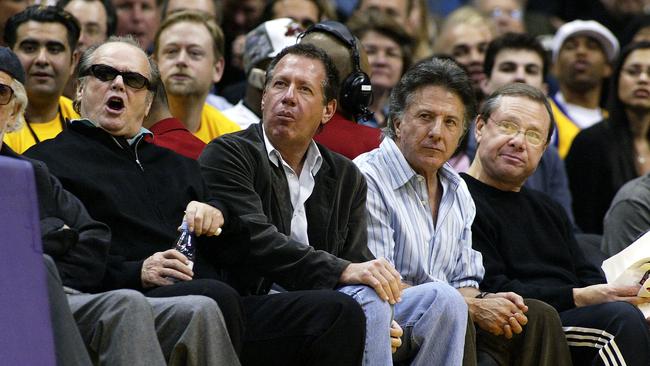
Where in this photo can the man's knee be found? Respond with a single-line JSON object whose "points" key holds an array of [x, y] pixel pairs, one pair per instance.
{"points": [[543, 313]]}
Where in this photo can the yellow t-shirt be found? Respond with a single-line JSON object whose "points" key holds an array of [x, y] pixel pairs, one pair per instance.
{"points": [[214, 124], [21, 140]]}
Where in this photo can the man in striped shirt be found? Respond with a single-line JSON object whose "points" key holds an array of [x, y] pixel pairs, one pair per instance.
{"points": [[420, 215]]}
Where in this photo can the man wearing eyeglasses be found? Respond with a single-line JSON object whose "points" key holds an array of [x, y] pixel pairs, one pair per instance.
{"points": [[527, 241], [420, 215]]}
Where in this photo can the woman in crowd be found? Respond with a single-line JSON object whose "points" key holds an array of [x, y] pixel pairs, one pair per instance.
{"points": [[605, 156], [388, 47]]}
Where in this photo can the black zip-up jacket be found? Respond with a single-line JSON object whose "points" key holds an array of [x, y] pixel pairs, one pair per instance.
{"points": [[139, 190]]}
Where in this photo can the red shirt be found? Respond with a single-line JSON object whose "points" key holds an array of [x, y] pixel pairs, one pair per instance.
{"points": [[170, 133], [348, 138]]}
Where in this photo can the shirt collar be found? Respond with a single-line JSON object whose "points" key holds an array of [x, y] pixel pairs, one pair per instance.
{"points": [[86, 122], [313, 160], [403, 172]]}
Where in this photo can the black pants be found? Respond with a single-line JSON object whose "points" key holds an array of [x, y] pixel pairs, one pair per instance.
{"points": [[616, 332], [321, 327], [226, 297]]}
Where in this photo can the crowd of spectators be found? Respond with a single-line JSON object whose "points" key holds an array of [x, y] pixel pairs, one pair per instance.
{"points": [[369, 182]]}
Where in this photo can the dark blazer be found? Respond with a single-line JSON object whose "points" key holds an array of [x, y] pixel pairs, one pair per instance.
{"points": [[238, 172], [81, 250]]}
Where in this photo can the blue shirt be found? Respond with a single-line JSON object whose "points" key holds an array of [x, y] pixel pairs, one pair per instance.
{"points": [[400, 222]]}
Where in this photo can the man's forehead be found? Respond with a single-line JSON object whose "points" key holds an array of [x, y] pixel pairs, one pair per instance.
{"points": [[583, 37], [42, 31], [122, 56], [468, 35], [289, 63], [519, 56]]}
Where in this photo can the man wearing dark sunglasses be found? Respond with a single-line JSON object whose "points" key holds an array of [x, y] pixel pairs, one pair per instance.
{"points": [[44, 38], [76, 248], [141, 191]]}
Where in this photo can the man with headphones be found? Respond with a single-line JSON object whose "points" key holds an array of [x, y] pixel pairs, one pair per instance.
{"points": [[343, 134]]}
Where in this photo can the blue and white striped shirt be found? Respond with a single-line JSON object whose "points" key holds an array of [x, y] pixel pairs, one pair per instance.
{"points": [[401, 227]]}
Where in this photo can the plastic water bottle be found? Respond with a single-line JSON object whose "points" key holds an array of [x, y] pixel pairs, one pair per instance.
{"points": [[185, 243]]}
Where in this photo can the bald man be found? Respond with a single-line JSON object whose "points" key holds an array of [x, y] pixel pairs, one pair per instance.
{"points": [[343, 134]]}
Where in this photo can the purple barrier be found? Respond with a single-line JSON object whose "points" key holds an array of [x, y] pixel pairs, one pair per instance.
{"points": [[25, 327]]}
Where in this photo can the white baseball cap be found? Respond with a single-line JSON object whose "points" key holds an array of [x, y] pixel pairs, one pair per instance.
{"points": [[590, 28]]}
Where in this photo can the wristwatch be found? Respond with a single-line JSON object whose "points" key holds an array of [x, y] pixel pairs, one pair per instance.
{"points": [[482, 295]]}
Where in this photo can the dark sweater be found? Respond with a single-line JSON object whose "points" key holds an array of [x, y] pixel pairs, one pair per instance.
{"points": [[528, 245], [79, 251], [139, 191], [600, 161]]}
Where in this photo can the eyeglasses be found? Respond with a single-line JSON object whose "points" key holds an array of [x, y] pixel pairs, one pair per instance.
{"points": [[515, 14], [5, 94], [107, 73], [508, 128]]}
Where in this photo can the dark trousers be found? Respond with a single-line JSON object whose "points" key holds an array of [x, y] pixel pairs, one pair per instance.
{"points": [[226, 297], [541, 343], [320, 327], [607, 334]]}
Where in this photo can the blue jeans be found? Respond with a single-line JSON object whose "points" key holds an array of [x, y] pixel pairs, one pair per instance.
{"points": [[433, 316]]}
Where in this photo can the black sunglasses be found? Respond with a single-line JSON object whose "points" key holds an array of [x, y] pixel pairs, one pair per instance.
{"points": [[5, 94], [107, 73]]}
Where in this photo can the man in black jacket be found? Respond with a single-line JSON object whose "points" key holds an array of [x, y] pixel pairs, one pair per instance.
{"points": [[527, 240], [300, 211], [117, 326], [143, 192]]}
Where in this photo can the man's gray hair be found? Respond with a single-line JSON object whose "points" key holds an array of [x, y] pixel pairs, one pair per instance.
{"points": [[86, 61], [444, 73], [20, 95], [493, 101]]}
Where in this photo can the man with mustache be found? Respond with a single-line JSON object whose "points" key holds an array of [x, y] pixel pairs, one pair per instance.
{"points": [[583, 51], [45, 39], [188, 48]]}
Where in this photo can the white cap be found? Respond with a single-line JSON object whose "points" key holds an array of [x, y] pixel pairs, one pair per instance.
{"points": [[590, 28], [268, 39]]}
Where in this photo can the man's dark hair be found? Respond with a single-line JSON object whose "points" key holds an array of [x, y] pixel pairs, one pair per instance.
{"points": [[431, 72], [515, 42], [493, 101], [111, 16], [43, 14], [331, 81]]}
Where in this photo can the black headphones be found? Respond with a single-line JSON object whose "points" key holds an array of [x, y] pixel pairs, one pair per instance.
{"points": [[356, 90]]}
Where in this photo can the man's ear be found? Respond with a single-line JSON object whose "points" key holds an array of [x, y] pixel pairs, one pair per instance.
{"points": [[328, 111], [149, 102], [218, 70], [608, 71], [75, 60], [397, 123], [478, 130]]}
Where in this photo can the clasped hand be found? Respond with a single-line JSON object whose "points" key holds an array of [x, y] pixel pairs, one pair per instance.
{"points": [[500, 314]]}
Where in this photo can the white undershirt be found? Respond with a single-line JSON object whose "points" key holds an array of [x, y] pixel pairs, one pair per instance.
{"points": [[300, 187], [581, 116]]}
